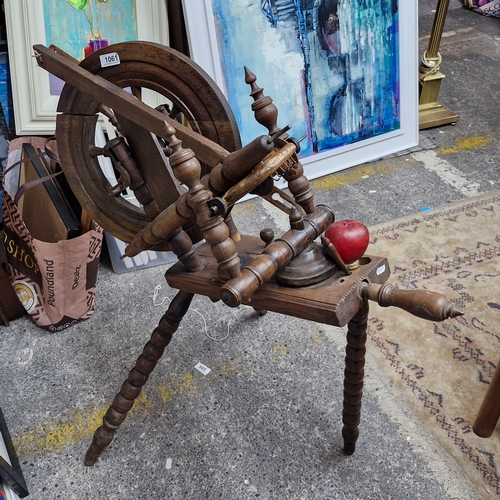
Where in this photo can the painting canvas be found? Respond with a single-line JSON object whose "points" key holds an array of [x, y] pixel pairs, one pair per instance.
{"points": [[332, 67], [79, 27], [75, 26]]}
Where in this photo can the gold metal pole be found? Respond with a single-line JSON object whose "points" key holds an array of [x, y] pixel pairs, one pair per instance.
{"points": [[432, 113]]}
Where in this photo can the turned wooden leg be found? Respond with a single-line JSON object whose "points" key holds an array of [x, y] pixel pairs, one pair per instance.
{"points": [[138, 376], [353, 377], [489, 412]]}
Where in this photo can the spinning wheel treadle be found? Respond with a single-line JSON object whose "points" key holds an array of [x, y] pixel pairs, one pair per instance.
{"points": [[176, 191]]}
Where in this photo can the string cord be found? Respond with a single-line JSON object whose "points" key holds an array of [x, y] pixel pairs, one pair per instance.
{"points": [[430, 65], [157, 288]]}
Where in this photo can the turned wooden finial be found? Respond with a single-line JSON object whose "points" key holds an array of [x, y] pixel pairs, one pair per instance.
{"points": [[267, 236], [174, 143], [266, 113], [185, 165]]}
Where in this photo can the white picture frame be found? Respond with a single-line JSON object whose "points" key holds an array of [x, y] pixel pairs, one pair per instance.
{"points": [[34, 106], [204, 49]]}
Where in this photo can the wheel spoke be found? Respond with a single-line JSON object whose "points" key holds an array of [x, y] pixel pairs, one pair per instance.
{"points": [[136, 92], [94, 151], [175, 111]]}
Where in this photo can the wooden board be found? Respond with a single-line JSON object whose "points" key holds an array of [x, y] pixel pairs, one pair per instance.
{"points": [[42, 208], [333, 301]]}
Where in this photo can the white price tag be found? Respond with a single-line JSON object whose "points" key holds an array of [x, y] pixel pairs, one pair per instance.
{"points": [[203, 369], [380, 270], [111, 59]]}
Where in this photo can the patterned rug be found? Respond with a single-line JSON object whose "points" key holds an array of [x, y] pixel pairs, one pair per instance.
{"points": [[443, 369]]}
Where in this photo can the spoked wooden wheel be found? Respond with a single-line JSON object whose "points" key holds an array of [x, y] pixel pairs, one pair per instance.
{"points": [[150, 72]]}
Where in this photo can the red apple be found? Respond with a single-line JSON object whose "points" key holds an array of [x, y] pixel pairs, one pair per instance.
{"points": [[350, 238]]}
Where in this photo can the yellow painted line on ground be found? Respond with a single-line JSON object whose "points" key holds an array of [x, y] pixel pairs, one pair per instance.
{"points": [[246, 208], [357, 174], [318, 338], [468, 144], [185, 383], [377, 169], [52, 435]]}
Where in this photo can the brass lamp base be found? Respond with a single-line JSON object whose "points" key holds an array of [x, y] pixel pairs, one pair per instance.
{"points": [[435, 116], [432, 113]]}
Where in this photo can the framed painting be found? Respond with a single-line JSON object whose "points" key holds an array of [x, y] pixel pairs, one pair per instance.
{"points": [[12, 482], [76, 27], [343, 73]]}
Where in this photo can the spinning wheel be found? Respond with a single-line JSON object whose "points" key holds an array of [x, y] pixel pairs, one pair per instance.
{"points": [[184, 92], [184, 201]]}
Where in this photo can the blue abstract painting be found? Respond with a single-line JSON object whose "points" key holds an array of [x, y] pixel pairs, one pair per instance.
{"points": [[331, 66]]}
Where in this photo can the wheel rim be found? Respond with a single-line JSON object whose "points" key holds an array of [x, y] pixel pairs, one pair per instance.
{"points": [[144, 68]]}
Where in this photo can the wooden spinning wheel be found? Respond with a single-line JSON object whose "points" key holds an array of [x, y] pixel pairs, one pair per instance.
{"points": [[187, 181], [189, 96]]}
